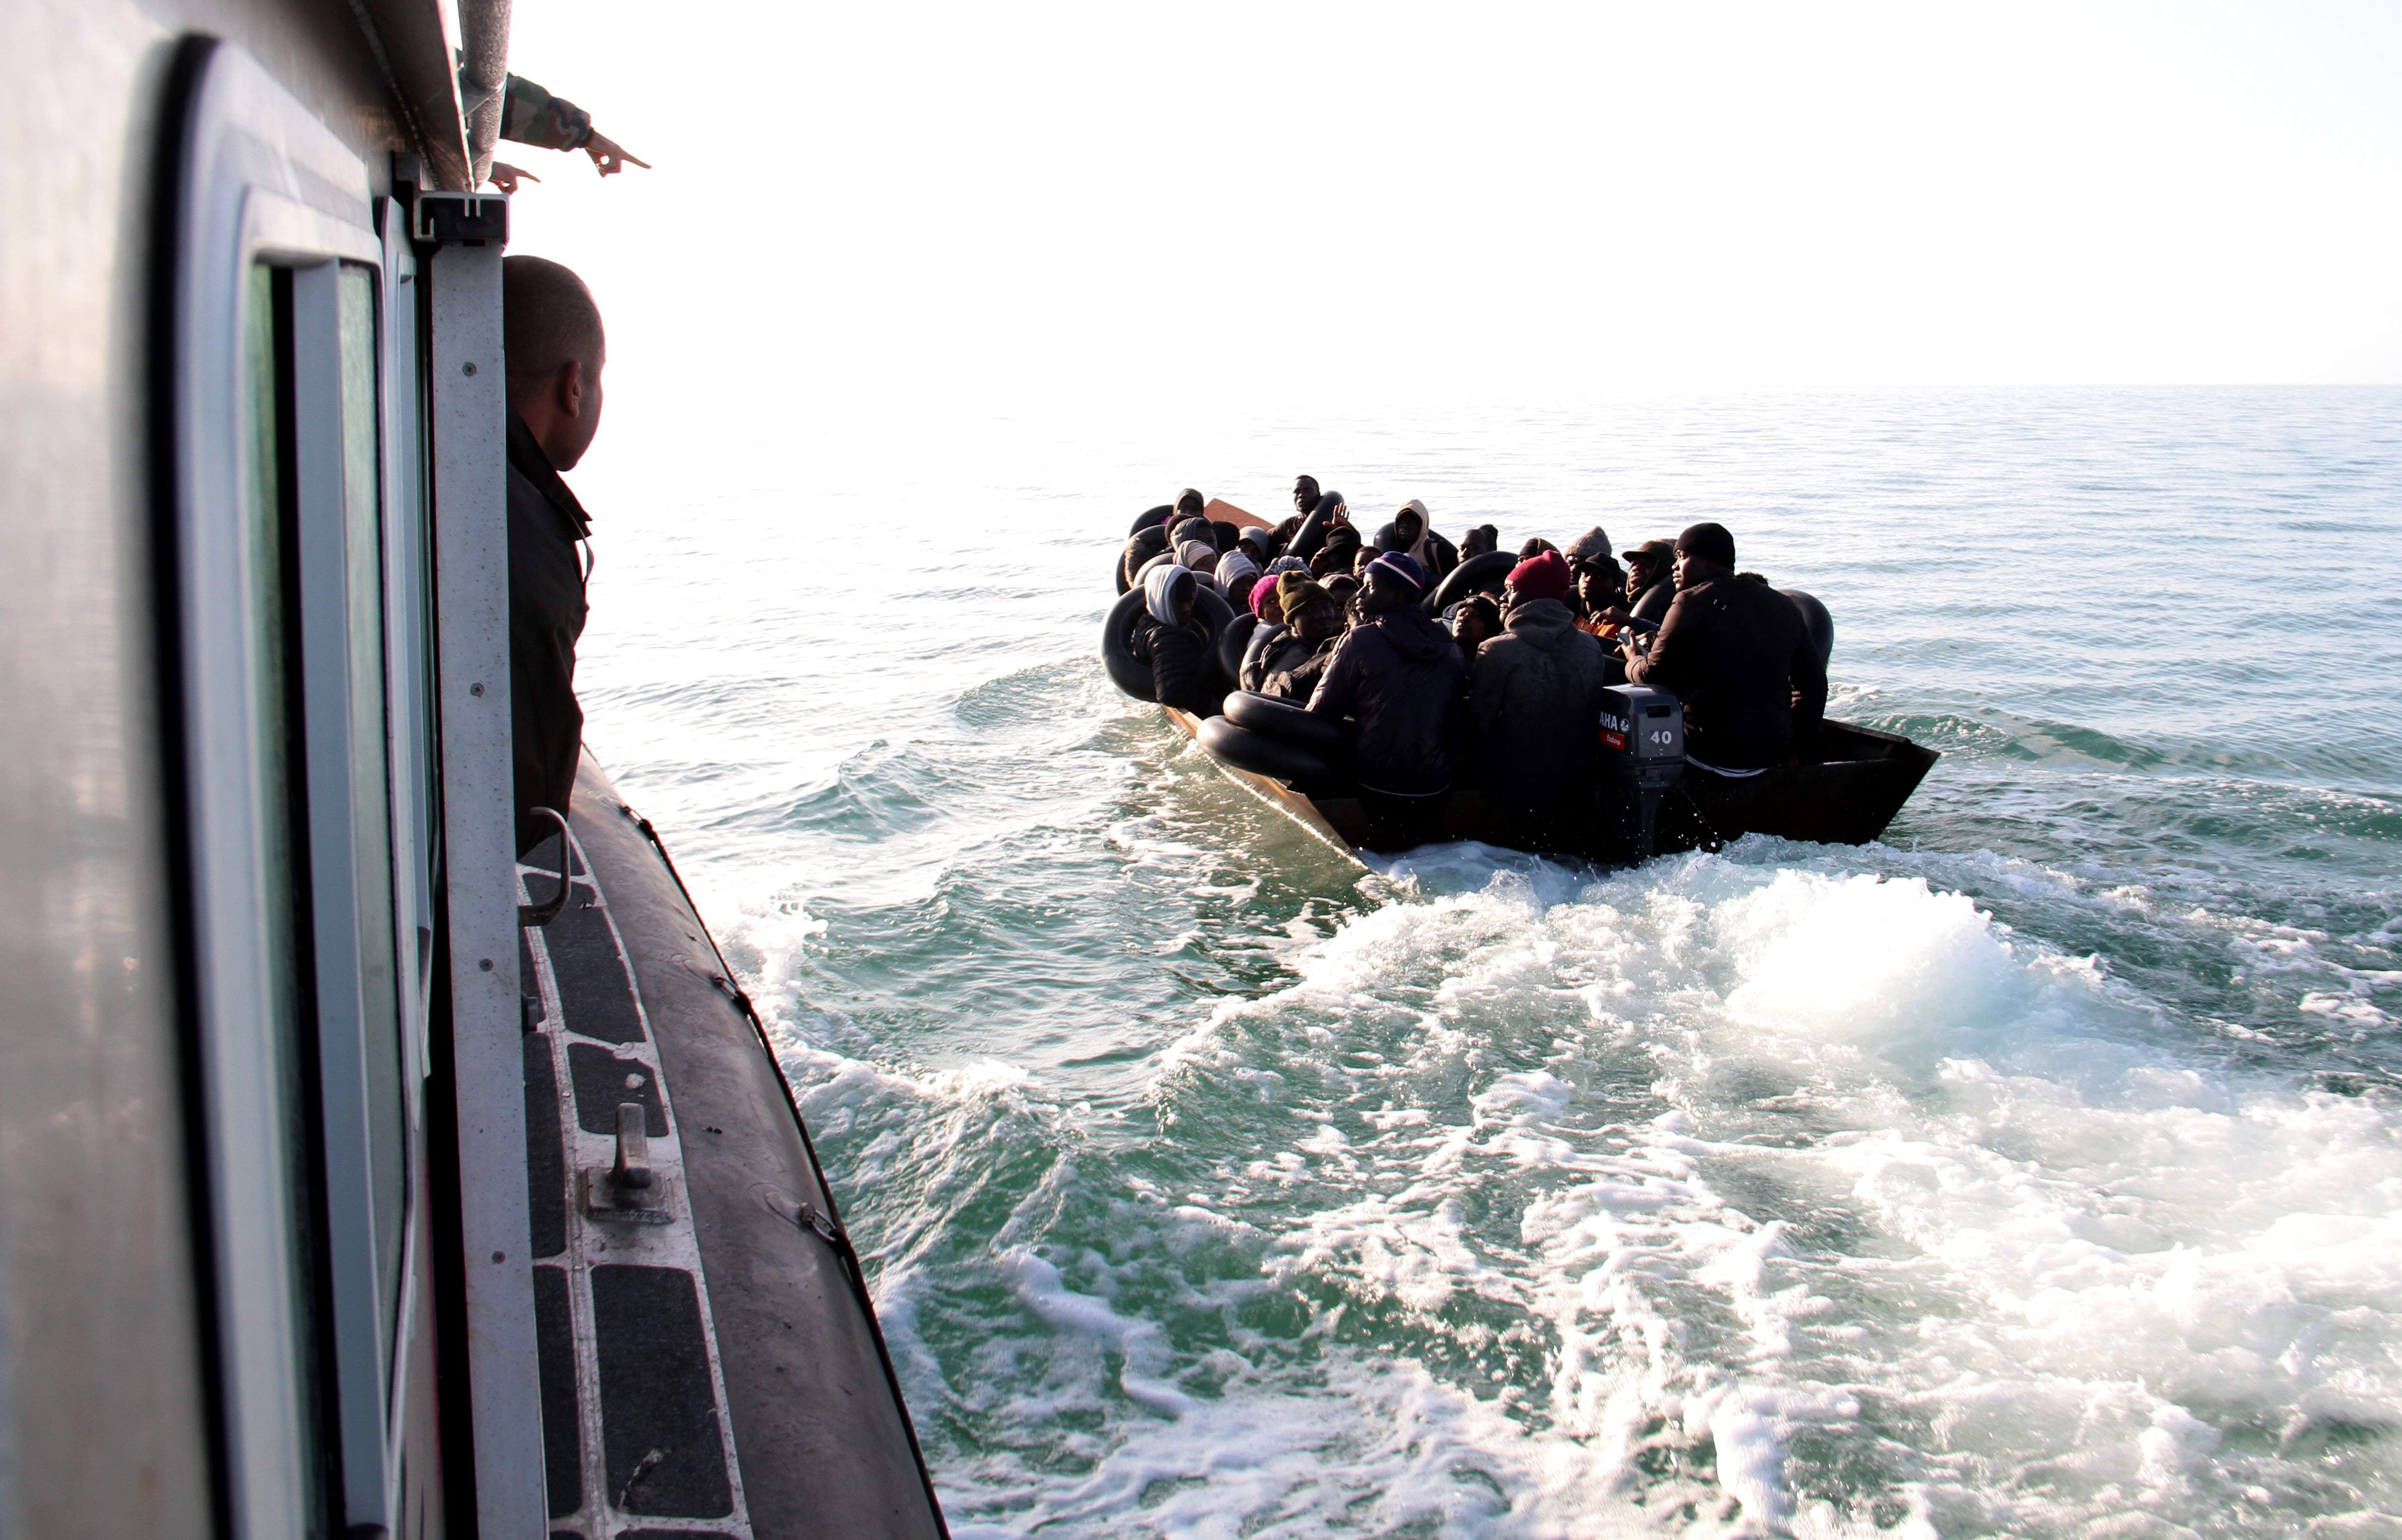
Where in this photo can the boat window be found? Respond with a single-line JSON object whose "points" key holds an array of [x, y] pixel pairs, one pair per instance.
{"points": [[314, 526], [299, 591], [265, 528], [314, 506], [379, 952]]}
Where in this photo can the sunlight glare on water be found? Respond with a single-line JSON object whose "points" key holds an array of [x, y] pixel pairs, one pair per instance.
{"points": [[2033, 1172]]}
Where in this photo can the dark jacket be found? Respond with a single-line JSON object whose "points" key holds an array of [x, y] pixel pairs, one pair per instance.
{"points": [[1434, 553], [1180, 661], [1736, 653], [1399, 677], [1653, 603], [1278, 662], [1592, 549], [1535, 696], [1140, 548], [546, 611]]}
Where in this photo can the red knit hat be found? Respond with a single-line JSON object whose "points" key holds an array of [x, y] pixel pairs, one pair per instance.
{"points": [[1542, 575]]}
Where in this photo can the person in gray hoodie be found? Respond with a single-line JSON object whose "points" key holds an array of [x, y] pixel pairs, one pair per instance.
{"points": [[1534, 696]]}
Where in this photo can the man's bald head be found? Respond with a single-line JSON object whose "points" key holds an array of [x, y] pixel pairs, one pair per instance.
{"points": [[549, 319], [556, 347]]}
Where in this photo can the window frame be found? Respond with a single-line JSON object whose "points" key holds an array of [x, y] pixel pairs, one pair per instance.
{"points": [[260, 181]]}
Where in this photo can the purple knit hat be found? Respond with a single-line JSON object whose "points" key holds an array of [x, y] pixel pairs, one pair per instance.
{"points": [[1399, 566]]}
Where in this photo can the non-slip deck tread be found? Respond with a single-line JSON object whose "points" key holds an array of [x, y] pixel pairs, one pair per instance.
{"points": [[562, 1439], [594, 992], [662, 1451], [602, 1080], [546, 1183]]}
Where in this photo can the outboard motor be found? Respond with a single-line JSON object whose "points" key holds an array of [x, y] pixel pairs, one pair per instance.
{"points": [[1642, 756]]}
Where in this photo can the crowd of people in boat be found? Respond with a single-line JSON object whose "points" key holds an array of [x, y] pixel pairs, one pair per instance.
{"points": [[1502, 689]]}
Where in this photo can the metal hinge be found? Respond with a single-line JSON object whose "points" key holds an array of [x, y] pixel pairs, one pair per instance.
{"points": [[460, 219]]}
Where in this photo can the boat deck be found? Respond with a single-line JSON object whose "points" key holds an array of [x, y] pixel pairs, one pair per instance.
{"points": [[708, 1365]]}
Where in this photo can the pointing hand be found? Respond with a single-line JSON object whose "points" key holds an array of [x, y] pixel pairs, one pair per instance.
{"points": [[610, 156]]}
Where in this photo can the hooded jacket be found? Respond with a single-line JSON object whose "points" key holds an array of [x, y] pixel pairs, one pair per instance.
{"points": [[1179, 654], [1234, 574], [1431, 551], [547, 614], [1399, 677], [1535, 696], [1740, 658]]}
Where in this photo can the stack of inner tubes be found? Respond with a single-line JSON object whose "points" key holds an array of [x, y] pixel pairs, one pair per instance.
{"points": [[1489, 571], [1277, 739]]}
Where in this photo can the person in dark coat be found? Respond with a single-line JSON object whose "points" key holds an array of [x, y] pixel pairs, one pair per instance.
{"points": [[1397, 674], [1483, 538], [1590, 553], [1474, 621], [1285, 661], [1174, 643], [553, 349], [1535, 698], [1338, 554], [1650, 579], [1147, 542], [1739, 657]]}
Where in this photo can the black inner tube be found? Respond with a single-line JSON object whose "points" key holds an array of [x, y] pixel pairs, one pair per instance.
{"points": [[1157, 516], [1312, 533], [1117, 655], [1133, 675], [1232, 640], [1216, 616], [1304, 769], [1489, 569], [1286, 723]]}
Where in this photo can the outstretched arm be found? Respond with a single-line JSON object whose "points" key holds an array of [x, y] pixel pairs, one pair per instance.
{"points": [[531, 115]]}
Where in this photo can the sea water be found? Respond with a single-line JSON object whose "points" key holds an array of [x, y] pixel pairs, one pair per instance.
{"points": [[2035, 1171]]}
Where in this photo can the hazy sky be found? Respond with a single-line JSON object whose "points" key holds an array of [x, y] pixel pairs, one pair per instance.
{"points": [[896, 206]]}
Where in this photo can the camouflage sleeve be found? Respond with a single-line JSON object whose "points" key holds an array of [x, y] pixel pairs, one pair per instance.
{"points": [[531, 115]]}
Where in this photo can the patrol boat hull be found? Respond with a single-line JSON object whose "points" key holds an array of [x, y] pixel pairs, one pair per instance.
{"points": [[710, 1355]]}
